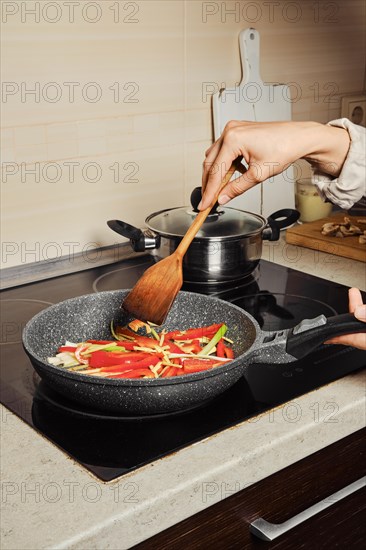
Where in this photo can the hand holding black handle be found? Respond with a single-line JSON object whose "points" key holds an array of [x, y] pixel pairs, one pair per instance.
{"points": [[310, 334]]}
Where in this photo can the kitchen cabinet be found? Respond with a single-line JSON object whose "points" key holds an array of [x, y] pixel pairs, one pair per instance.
{"points": [[279, 497]]}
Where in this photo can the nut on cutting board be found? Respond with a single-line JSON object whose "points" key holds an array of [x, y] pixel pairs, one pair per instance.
{"points": [[309, 235]]}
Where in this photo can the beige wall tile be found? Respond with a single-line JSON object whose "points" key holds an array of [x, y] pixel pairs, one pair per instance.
{"points": [[136, 67], [63, 150], [7, 137], [171, 137], [29, 135], [31, 153], [333, 114], [58, 133], [171, 120], [145, 123], [301, 169], [171, 128], [92, 146], [137, 188], [118, 126], [91, 128], [119, 142], [198, 125], [155, 65], [7, 154], [193, 166]]}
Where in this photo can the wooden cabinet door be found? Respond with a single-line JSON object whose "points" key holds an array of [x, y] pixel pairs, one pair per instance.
{"points": [[226, 525]]}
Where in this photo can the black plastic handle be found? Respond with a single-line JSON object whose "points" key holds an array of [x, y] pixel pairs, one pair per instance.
{"points": [[196, 197], [302, 341], [289, 215], [279, 220], [135, 234]]}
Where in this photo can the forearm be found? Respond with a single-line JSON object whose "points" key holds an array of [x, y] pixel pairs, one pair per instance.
{"points": [[270, 147], [328, 147]]}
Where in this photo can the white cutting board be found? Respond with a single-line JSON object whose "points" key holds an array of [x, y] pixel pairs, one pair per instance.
{"points": [[254, 100]]}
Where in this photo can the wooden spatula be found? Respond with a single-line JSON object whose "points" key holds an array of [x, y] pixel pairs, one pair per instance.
{"points": [[153, 295]]}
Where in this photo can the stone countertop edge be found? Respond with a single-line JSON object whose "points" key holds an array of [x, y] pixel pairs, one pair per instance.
{"points": [[50, 501]]}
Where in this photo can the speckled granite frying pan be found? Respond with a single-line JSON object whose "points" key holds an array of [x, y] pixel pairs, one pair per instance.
{"points": [[88, 317]]}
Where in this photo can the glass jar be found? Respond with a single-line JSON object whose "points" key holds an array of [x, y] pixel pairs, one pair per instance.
{"points": [[309, 203]]}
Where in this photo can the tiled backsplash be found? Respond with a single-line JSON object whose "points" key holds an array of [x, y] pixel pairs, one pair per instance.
{"points": [[106, 106]]}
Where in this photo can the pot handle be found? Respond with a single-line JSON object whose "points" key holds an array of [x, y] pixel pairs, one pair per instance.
{"points": [[139, 241], [311, 333], [279, 220]]}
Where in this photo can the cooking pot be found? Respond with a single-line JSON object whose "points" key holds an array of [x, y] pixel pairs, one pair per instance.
{"points": [[89, 317], [227, 248]]}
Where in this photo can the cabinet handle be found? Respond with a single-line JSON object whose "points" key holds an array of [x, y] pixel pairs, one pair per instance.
{"points": [[270, 531]]}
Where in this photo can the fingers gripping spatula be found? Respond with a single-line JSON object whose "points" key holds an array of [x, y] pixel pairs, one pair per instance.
{"points": [[154, 293]]}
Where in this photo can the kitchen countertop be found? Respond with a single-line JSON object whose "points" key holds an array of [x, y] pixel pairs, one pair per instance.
{"points": [[326, 266], [50, 501]]}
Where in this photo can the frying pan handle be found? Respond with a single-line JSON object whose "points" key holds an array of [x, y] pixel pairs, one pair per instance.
{"points": [[311, 333], [279, 220]]}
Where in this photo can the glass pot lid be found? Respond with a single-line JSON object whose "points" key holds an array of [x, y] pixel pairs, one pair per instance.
{"points": [[224, 224]]}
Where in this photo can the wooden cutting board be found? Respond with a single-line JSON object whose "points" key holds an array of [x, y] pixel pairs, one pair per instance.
{"points": [[254, 100], [309, 235]]}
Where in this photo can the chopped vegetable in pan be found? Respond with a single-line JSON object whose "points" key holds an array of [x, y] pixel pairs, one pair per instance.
{"points": [[152, 355]]}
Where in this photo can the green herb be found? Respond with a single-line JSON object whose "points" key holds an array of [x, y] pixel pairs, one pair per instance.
{"points": [[214, 340]]}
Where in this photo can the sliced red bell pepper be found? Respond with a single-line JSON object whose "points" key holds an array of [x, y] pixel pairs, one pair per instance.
{"points": [[66, 348], [101, 342], [140, 341], [137, 373], [172, 346], [119, 368], [220, 348], [82, 358], [193, 347], [109, 358], [229, 353], [143, 363], [169, 372], [189, 369], [193, 333], [126, 344], [197, 365], [123, 331]]}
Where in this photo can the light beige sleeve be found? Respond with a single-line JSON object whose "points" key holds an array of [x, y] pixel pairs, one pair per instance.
{"points": [[350, 186]]}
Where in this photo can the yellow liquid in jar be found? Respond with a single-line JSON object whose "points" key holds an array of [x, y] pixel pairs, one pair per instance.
{"points": [[311, 207]]}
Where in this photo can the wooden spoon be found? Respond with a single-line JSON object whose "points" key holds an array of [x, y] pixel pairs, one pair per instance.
{"points": [[154, 293]]}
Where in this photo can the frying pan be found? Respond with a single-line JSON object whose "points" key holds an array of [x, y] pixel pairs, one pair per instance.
{"points": [[89, 317]]}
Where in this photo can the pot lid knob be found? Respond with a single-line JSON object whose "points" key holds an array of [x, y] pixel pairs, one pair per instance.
{"points": [[196, 197]]}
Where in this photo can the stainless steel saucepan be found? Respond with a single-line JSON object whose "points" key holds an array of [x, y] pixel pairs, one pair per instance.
{"points": [[227, 248]]}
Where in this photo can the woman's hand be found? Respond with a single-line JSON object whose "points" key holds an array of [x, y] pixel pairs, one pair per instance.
{"points": [[357, 307], [269, 148]]}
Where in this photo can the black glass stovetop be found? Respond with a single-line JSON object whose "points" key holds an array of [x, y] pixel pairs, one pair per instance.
{"points": [[110, 446]]}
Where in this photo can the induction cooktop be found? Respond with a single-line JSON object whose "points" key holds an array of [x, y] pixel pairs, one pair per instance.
{"points": [[110, 445]]}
